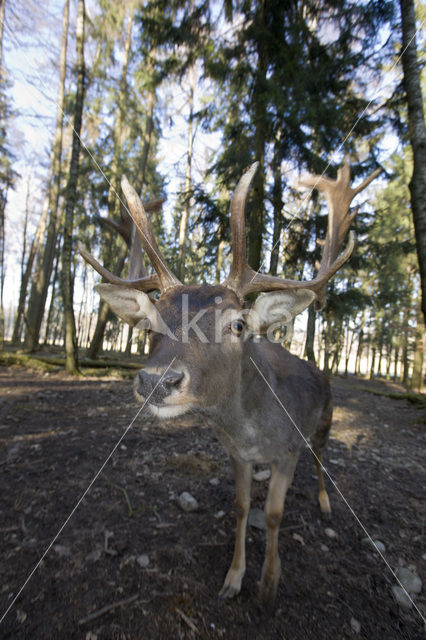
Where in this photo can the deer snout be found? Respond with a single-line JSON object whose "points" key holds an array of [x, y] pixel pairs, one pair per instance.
{"points": [[155, 387]]}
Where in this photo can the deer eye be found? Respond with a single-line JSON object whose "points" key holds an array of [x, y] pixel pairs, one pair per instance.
{"points": [[237, 327]]}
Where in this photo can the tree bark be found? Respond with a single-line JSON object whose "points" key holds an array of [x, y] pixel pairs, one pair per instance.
{"points": [[44, 263], [2, 13], [25, 271], [417, 133], [71, 364], [53, 284], [277, 203], [310, 334], [113, 201], [418, 363], [183, 226], [256, 216]]}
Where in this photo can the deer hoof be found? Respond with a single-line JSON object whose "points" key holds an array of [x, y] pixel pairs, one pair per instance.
{"points": [[228, 591], [324, 504], [231, 586], [269, 585]]}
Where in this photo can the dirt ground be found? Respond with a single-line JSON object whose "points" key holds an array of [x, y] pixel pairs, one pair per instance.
{"points": [[130, 563]]}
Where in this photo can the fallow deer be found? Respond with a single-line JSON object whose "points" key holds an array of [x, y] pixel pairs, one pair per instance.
{"points": [[206, 354]]}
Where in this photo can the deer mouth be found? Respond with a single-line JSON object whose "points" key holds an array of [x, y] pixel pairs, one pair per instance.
{"points": [[166, 410]]}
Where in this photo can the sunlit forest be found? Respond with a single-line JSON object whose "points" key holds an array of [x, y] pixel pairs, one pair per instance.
{"points": [[181, 96]]}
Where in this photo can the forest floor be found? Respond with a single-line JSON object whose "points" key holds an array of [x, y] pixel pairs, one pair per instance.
{"points": [[131, 564]]}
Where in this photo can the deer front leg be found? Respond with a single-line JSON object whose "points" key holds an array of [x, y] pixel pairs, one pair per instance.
{"points": [[243, 473], [281, 479]]}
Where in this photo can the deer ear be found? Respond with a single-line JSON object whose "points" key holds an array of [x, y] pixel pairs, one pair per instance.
{"points": [[278, 306], [130, 305]]}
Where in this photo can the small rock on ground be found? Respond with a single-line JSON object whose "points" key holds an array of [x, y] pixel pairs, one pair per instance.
{"points": [[409, 580], [378, 544], [257, 519], [401, 597], [355, 625], [143, 560], [62, 550], [187, 502]]}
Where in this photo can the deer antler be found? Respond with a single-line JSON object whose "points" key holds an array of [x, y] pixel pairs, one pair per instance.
{"points": [[243, 279], [149, 243], [127, 231], [339, 195], [131, 222]]}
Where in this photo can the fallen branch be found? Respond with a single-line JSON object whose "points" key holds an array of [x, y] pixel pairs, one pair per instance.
{"points": [[107, 608], [187, 620]]}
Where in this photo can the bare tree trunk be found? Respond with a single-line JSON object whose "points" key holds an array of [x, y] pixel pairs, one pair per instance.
{"points": [[358, 356], [118, 130], [373, 362], [183, 226], [3, 196], [43, 272], [418, 365], [417, 133], [405, 340], [256, 212], [25, 272], [395, 364], [50, 313], [71, 365], [2, 12], [349, 345], [104, 311], [277, 203], [149, 128], [113, 201], [310, 334], [2, 271]]}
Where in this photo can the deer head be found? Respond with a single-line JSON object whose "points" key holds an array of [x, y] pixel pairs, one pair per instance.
{"points": [[197, 333]]}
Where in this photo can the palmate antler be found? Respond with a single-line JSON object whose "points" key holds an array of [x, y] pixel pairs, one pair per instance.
{"points": [[339, 194]]}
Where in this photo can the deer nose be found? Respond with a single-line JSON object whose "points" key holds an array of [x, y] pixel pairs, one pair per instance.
{"points": [[172, 378], [144, 385], [158, 385]]}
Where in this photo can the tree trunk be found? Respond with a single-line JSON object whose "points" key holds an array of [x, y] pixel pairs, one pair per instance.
{"points": [[2, 271], [358, 356], [44, 265], [118, 128], [104, 311], [2, 12], [219, 261], [70, 201], [183, 226], [349, 345], [417, 134], [113, 202], [310, 334], [3, 197], [255, 218], [277, 203], [405, 341], [53, 283], [149, 128], [418, 364], [373, 362], [25, 273], [395, 364]]}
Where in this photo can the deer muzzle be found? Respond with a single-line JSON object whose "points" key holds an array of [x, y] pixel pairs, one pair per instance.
{"points": [[156, 388]]}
